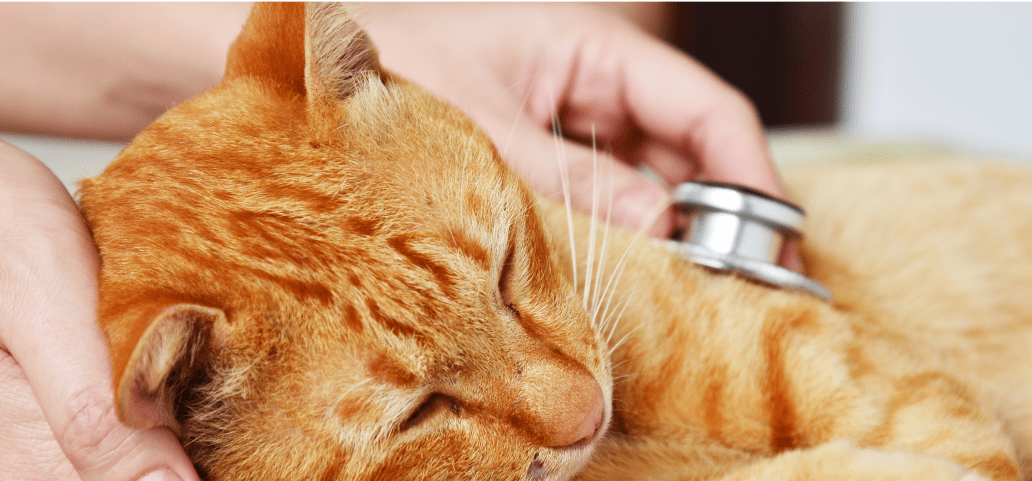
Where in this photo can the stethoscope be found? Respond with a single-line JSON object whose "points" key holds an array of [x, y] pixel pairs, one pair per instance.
{"points": [[739, 230]]}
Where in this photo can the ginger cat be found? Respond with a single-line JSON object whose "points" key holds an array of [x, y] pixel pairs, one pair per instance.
{"points": [[319, 271]]}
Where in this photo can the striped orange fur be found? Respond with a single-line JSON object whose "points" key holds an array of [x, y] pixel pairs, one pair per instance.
{"points": [[317, 270]]}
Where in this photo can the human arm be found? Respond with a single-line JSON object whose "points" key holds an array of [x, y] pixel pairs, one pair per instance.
{"points": [[107, 70]]}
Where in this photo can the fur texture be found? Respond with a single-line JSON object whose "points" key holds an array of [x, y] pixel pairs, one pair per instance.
{"points": [[317, 270]]}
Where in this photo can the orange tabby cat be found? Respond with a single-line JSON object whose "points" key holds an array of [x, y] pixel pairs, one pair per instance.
{"points": [[317, 270]]}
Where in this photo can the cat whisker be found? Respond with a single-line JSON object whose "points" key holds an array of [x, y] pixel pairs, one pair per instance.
{"points": [[622, 378], [516, 121], [615, 320], [600, 294], [617, 379], [593, 227], [621, 363], [622, 340], [564, 175], [606, 317], [614, 279]]}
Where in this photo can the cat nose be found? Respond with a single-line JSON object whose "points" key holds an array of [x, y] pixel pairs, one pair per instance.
{"points": [[563, 406], [591, 424]]}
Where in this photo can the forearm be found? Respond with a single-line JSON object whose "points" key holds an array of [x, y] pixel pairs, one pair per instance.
{"points": [[107, 70]]}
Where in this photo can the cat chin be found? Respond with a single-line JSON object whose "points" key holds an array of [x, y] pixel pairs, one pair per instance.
{"points": [[560, 464]]}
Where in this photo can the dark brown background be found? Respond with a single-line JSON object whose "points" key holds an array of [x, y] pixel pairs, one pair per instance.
{"points": [[786, 57]]}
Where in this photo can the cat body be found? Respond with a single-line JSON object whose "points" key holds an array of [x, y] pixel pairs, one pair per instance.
{"points": [[317, 270], [923, 351]]}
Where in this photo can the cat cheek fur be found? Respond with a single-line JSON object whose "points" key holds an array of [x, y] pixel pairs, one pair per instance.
{"points": [[325, 265]]}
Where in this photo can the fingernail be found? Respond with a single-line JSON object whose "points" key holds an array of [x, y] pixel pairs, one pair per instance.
{"points": [[161, 475]]}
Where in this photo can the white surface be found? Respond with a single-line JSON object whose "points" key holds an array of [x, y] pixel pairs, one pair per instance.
{"points": [[958, 73], [70, 159], [75, 159]]}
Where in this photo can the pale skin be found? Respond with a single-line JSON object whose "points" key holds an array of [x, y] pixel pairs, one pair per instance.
{"points": [[106, 71]]}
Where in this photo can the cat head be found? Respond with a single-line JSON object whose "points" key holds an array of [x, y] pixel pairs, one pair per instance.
{"points": [[317, 270]]}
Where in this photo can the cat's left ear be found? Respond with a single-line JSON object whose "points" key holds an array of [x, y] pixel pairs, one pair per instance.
{"points": [[316, 50], [166, 361]]}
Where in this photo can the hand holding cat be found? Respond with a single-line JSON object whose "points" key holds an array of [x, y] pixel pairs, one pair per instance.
{"points": [[57, 418]]}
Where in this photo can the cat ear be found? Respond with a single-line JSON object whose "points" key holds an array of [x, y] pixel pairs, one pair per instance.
{"points": [[340, 58], [174, 349], [271, 48], [314, 50]]}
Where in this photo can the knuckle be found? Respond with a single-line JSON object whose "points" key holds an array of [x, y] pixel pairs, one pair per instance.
{"points": [[740, 105], [93, 436]]}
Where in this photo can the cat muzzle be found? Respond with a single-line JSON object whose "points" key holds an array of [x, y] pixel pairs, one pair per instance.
{"points": [[739, 230]]}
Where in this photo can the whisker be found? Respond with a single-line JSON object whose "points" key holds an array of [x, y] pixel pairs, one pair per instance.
{"points": [[593, 226], [623, 339], [614, 278], [564, 175], [623, 377], [621, 363], [621, 264], [614, 321], [515, 124], [599, 294], [464, 182], [607, 320]]}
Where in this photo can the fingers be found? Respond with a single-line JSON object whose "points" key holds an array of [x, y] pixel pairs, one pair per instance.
{"points": [[663, 109], [596, 182], [28, 450], [48, 273], [626, 81], [688, 108]]}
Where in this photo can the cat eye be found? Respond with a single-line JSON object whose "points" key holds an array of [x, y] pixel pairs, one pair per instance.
{"points": [[432, 406], [504, 284]]}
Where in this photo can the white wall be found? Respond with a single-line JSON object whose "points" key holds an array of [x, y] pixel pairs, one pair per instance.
{"points": [[956, 73]]}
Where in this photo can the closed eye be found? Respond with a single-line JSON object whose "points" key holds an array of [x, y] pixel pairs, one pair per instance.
{"points": [[432, 406], [505, 284]]}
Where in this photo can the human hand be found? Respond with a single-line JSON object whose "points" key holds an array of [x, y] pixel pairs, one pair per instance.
{"points": [[519, 69], [57, 417]]}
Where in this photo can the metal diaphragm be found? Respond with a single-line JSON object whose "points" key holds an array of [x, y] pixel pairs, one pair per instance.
{"points": [[736, 229]]}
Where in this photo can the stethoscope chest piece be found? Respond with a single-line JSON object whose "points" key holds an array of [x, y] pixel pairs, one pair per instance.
{"points": [[740, 230]]}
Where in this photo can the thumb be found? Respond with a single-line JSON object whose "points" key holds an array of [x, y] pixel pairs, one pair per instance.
{"points": [[48, 299], [101, 448], [594, 181]]}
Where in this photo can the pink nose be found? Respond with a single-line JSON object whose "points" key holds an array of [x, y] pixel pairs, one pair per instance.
{"points": [[592, 422], [562, 406]]}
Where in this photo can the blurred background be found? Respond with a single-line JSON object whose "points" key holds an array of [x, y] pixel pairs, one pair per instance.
{"points": [[852, 81], [934, 76]]}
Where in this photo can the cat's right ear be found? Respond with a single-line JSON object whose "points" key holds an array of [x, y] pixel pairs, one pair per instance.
{"points": [[171, 355]]}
